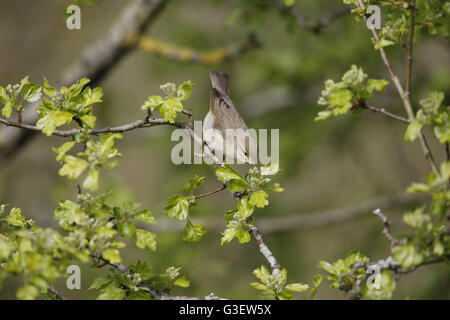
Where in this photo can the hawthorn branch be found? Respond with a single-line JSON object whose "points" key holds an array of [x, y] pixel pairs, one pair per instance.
{"points": [[386, 113], [223, 187], [264, 249], [386, 230], [315, 25], [147, 122], [154, 292], [405, 96], [94, 63]]}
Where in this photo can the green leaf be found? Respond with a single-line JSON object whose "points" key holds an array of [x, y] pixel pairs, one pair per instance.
{"points": [[92, 96], [259, 199], [193, 232], [111, 292], [413, 130], [226, 173], [236, 185], [91, 181], [383, 43], [243, 236], [432, 103], [169, 109], [262, 274], [227, 235], [49, 90], [245, 208], [31, 92], [53, 119], [145, 238], [100, 282], [7, 109], [69, 212], [407, 255], [145, 216], [272, 186], [184, 90], [381, 289], [416, 187], [152, 102], [341, 100], [193, 183], [15, 218], [112, 255], [376, 85], [72, 167], [182, 282], [270, 170], [127, 229], [317, 280], [289, 3], [63, 149], [27, 292], [5, 249], [177, 207], [297, 287], [89, 120]]}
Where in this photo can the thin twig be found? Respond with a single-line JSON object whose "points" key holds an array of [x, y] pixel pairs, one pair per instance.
{"points": [[412, 19], [386, 231], [404, 97], [223, 187], [387, 113]]}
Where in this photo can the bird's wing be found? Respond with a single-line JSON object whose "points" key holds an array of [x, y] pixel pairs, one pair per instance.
{"points": [[228, 115]]}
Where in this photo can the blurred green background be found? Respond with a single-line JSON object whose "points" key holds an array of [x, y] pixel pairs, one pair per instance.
{"points": [[342, 162]]}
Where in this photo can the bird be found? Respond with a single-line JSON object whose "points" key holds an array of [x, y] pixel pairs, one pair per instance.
{"points": [[222, 117]]}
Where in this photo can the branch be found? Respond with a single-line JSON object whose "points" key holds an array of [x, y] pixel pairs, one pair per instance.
{"points": [[412, 24], [147, 122], [94, 63], [386, 230], [264, 249], [386, 113], [171, 51], [316, 25], [223, 187], [404, 96], [154, 292]]}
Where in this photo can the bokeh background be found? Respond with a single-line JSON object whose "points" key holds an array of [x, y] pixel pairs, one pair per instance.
{"points": [[342, 162]]}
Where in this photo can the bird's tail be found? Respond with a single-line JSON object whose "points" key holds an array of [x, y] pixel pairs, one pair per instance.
{"points": [[220, 81]]}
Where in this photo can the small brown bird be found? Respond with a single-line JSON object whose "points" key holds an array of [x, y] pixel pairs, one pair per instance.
{"points": [[223, 125]]}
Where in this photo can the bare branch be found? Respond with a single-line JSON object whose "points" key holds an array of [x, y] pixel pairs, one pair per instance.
{"points": [[316, 25], [171, 51], [386, 231], [264, 249]]}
